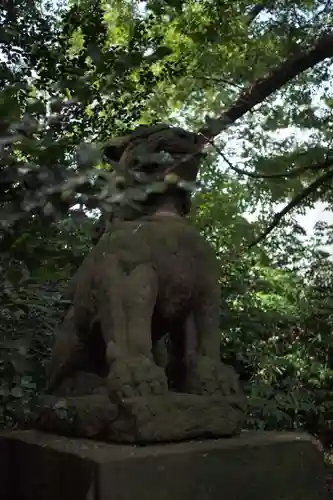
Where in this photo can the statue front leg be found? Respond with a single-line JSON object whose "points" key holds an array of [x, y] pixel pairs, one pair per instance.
{"points": [[110, 291], [126, 319], [140, 296]]}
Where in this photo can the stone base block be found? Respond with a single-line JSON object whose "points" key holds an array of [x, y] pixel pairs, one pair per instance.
{"points": [[254, 466]]}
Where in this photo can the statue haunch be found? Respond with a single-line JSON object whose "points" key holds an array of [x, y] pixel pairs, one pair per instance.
{"points": [[145, 278]]}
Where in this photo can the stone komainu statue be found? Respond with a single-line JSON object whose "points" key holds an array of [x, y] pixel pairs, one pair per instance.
{"points": [[150, 274]]}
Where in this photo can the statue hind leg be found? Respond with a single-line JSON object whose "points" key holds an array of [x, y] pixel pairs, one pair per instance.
{"points": [[68, 353], [206, 374]]}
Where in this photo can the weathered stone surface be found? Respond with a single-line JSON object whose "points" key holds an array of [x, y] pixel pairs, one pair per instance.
{"points": [[151, 419], [159, 146], [255, 466], [79, 416], [141, 281], [174, 417]]}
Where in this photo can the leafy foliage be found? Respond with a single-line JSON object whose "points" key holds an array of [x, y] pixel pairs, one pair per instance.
{"points": [[73, 74]]}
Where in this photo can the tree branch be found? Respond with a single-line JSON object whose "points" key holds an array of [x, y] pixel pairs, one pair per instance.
{"points": [[264, 87], [220, 80], [292, 173], [293, 203], [256, 10]]}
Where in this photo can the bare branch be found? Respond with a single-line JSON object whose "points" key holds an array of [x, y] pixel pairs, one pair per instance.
{"points": [[261, 89], [292, 173], [219, 79], [293, 203]]}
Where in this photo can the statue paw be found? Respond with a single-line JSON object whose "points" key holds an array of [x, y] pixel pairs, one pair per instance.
{"points": [[208, 376], [136, 376]]}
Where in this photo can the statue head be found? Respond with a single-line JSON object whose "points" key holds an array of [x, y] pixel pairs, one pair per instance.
{"points": [[153, 154]]}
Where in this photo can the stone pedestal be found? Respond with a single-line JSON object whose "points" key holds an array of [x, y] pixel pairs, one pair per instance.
{"points": [[254, 466]]}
